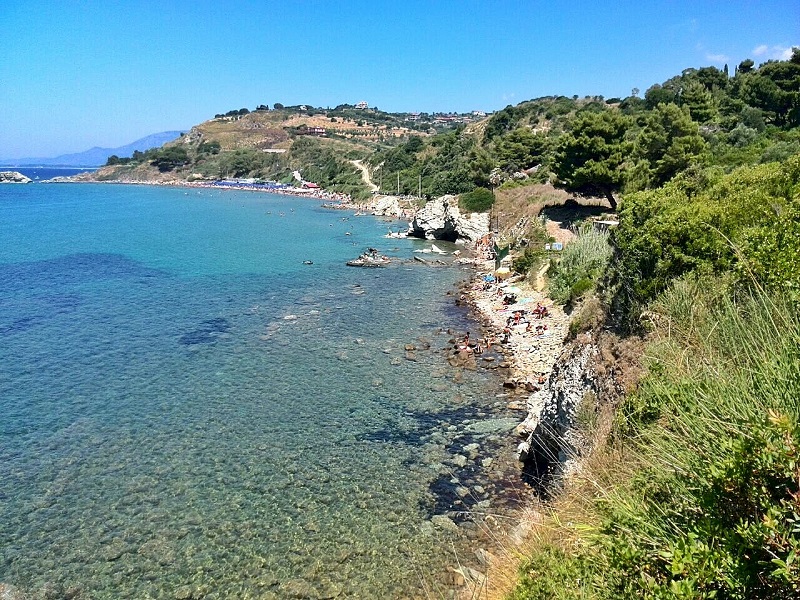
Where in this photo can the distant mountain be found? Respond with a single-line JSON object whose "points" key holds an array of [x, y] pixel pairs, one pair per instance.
{"points": [[96, 157]]}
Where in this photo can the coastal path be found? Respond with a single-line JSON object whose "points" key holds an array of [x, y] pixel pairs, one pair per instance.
{"points": [[365, 175]]}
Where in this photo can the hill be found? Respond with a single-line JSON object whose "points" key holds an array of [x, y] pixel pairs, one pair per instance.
{"points": [[96, 157], [273, 144]]}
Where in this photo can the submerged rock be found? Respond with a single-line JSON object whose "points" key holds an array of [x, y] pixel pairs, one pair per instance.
{"points": [[9, 592], [493, 426], [459, 460], [444, 523], [298, 588]]}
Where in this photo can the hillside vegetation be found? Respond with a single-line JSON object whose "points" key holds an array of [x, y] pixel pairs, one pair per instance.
{"points": [[271, 144], [695, 493], [587, 146]]}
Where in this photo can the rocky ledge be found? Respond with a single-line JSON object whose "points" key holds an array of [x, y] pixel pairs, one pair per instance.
{"points": [[13, 177]]}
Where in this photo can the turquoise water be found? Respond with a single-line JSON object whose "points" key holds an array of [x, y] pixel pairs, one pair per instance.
{"points": [[189, 410]]}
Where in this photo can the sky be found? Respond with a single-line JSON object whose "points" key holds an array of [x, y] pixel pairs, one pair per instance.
{"points": [[79, 74]]}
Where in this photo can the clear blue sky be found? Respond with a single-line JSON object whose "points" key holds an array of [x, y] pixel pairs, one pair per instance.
{"points": [[103, 73]]}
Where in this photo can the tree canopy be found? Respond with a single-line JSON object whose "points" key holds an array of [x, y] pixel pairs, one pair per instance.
{"points": [[590, 157]]}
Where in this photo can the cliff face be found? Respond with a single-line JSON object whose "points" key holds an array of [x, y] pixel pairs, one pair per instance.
{"points": [[441, 219], [589, 379]]}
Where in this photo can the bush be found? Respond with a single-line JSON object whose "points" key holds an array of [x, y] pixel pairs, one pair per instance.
{"points": [[552, 574], [478, 200], [746, 222], [209, 147], [168, 158], [580, 265], [241, 162], [714, 509], [528, 260]]}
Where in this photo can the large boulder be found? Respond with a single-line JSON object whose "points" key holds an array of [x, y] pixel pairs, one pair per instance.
{"points": [[13, 177], [441, 219], [387, 206]]}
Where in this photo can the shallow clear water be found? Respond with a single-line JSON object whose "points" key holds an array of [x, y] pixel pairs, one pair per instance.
{"points": [[186, 409]]}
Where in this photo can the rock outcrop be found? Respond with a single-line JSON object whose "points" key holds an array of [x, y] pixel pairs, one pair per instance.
{"points": [[13, 177], [441, 219], [589, 378], [549, 428], [387, 206]]}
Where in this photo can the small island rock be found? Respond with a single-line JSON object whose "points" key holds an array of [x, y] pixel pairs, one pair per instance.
{"points": [[13, 177]]}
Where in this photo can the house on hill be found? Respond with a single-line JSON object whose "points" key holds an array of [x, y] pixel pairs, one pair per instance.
{"points": [[362, 105]]}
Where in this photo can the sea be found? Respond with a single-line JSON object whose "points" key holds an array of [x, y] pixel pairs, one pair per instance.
{"points": [[199, 399], [44, 173]]}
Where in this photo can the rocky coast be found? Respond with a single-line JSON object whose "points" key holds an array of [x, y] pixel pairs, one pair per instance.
{"points": [[13, 177], [478, 491]]}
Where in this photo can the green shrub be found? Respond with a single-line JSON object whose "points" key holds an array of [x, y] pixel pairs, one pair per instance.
{"points": [[714, 510], [532, 257], [552, 574], [746, 222], [579, 266], [579, 288], [478, 200], [528, 260], [169, 158]]}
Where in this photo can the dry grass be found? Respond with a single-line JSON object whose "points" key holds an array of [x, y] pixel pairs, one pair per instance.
{"points": [[508, 549], [554, 524], [515, 203], [268, 129], [560, 207]]}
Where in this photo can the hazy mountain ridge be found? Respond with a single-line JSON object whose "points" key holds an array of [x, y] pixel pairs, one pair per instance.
{"points": [[96, 156]]}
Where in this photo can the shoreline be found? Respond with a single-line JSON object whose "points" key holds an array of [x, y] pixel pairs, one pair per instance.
{"points": [[531, 354], [529, 358], [317, 194]]}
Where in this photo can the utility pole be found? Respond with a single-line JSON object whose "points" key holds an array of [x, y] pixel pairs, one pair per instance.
{"points": [[420, 184], [398, 183]]}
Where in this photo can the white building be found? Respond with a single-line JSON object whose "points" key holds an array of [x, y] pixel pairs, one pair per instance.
{"points": [[362, 105]]}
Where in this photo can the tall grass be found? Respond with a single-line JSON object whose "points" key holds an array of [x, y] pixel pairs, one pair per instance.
{"points": [[580, 265], [700, 497]]}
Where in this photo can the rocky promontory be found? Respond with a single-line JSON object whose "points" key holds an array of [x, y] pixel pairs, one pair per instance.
{"points": [[441, 219], [13, 177]]}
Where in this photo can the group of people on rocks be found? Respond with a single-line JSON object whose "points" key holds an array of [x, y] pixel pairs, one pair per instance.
{"points": [[476, 347], [518, 316]]}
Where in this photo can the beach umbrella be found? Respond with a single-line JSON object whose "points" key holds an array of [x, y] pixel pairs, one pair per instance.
{"points": [[502, 272]]}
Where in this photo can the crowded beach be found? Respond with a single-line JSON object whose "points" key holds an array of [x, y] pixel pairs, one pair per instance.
{"points": [[517, 320]]}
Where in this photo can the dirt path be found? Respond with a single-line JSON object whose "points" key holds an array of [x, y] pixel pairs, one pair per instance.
{"points": [[365, 175]]}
